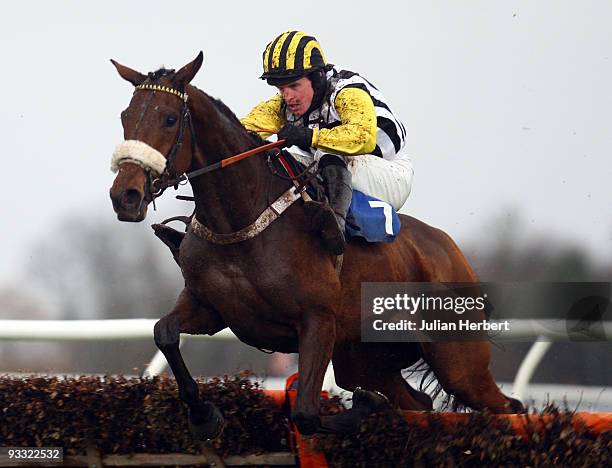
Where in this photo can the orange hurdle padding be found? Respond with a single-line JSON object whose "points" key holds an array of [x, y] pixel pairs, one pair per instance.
{"points": [[308, 456], [595, 422], [278, 396]]}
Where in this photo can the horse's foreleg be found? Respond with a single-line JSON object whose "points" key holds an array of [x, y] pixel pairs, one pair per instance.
{"points": [[317, 334], [189, 317]]}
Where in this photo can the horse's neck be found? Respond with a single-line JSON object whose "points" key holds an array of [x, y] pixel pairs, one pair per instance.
{"points": [[231, 198]]}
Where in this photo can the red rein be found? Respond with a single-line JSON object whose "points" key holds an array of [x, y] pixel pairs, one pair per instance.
{"points": [[231, 160]]}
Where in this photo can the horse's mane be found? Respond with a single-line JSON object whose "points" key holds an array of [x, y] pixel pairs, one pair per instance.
{"points": [[227, 112], [218, 103], [224, 109], [157, 74]]}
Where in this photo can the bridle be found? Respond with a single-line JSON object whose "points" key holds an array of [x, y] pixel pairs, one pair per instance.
{"points": [[154, 187], [169, 177]]}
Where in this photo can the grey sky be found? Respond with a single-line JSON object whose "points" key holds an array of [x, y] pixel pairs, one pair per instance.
{"points": [[507, 104]]}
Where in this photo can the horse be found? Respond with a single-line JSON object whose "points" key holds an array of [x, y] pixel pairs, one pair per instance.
{"points": [[278, 289]]}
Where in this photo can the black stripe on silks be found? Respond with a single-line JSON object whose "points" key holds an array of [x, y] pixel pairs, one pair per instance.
{"points": [[375, 101], [282, 63], [358, 86], [299, 52], [403, 129], [377, 152], [378, 103], [345, 74], [263, 54], [388, 126], [368, 82], [331, 125], [316, 58], [271, 54]]}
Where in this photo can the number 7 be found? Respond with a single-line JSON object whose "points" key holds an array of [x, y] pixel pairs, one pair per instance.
{"points": [[387, 212]]}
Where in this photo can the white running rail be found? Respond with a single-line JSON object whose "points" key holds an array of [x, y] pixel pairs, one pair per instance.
{"points": [[543, 331]]}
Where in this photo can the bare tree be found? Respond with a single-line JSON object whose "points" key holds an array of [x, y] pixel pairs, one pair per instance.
{"points": [[509, 252], [98, 270], [119, 270]]}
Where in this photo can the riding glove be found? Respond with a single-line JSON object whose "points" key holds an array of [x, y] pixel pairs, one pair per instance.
{"points": [[298, 136]]}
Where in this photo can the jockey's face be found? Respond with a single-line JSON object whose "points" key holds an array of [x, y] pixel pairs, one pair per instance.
{"points": [[297, 95]]}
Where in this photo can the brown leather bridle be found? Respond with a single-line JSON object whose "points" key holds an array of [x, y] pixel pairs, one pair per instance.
{"points": [[169, 178]]}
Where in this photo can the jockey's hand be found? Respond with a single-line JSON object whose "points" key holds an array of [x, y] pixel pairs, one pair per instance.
{"points": [[298, 136]]}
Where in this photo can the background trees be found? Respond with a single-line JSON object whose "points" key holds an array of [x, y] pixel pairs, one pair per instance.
{"points": [[84, 268]]}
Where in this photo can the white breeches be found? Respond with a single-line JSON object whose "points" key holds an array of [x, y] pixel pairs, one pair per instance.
{"points": [[387, 180]]}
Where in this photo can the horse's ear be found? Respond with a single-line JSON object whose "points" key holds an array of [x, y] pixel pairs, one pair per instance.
{"points": [[128, 74], [186, 74]]}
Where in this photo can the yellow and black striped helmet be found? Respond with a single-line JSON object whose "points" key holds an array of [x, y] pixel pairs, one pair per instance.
{"points": [[290, 56]]}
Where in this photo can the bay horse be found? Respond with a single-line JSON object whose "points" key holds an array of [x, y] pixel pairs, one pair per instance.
{"points": [[279, 290]]}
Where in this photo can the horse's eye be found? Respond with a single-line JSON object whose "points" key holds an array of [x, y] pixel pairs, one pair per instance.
{"points": [[170, 120]]}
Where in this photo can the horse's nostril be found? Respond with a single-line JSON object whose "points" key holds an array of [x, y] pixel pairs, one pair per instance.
{"points": [[131, 198]]}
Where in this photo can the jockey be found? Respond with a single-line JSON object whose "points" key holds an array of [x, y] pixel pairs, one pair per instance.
{"points": [[340, 120]]}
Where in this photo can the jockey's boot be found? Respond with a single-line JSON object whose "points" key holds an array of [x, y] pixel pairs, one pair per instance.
{"points": [[332, 219]]}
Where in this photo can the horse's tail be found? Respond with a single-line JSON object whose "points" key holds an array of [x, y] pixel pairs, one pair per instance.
{"points": [[427, 380]]}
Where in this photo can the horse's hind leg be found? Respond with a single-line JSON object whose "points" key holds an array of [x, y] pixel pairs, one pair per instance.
{"points": [[462, 368], [423, 398], [353, 369], [187, 316]]}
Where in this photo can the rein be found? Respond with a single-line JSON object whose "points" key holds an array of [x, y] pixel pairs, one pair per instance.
{"points": [[159, 185], [169, 178], [233, 159]]}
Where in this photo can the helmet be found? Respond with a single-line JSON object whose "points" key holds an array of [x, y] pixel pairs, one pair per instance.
{"points": [[291, 56]]}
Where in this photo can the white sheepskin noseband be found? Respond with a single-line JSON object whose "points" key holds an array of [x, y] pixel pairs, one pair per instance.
{"points": [[140, 153]]}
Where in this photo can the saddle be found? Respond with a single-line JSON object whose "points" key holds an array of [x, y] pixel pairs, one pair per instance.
{"points": [[368, 217]]}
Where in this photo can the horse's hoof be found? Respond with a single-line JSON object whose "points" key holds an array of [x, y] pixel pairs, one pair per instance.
{"points": [[516, 406], [207, 422], [307, 424], [369, 401], [365, 402]]}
